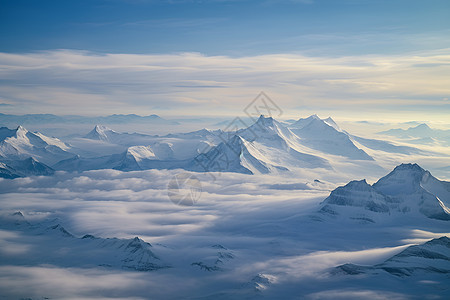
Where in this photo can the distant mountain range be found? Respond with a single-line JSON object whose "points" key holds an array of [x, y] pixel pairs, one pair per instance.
{"points": [[421, 134], [14, 120], [267, 146]]}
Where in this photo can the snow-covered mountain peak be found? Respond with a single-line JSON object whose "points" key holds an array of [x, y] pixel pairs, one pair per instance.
{"points": [[265, 121], [102, 128], [404, 179], [236, 145], [236, 155], [204, 131], [329, 121], [236, 140], [100, 132], [357, 193], [21, 131], [302, 122], [141, 152], [318, 124], [315, 126], [443, 241], [359, 184], [136, 244], [270, 132], [264, 127], [20, 143], [407, 189], [421, 127], [326, 136], [409, 167], [138, 241]]}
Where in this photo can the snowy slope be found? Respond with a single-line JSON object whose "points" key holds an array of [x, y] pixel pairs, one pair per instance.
{"points": [[265, 147], [21, 144], [281, 146], [183, 146], [414, 188], [380, 145], [408, 189], [7, 171], [302, 122], [269, 132], [326, 136], [27, 167], [134, 158], [102, 133], [210, 135], [237, 155], [178, 146], [57, 246], [432, 257]]}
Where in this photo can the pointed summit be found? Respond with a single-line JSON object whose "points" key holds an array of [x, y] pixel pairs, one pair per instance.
{"points": [[409, 167], [421, 129], [19, 143], [265, 121], [332, 123], [408, 189], [21, 131], [21, 128], [326, 136], [422, 126], [404, 179], [269, 132], [302, 122], [237, 155], [356, 194], [101, 133]]}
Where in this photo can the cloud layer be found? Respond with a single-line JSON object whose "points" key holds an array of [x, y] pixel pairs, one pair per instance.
{"points": [[266, 230], [69, 82]]}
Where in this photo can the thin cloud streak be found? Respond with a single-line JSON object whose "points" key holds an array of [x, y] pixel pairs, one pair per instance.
{"points": [[59, 81]]}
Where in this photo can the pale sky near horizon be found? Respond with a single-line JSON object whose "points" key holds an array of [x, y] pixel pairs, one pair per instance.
{"points": [[351, 59]]}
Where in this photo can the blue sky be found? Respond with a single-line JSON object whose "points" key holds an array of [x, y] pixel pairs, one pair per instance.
{"points": [[69, 41], [226, 27]]}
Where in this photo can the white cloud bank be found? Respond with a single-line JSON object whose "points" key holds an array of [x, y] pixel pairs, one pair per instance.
{"points": [[267, 230], [68, 82]]}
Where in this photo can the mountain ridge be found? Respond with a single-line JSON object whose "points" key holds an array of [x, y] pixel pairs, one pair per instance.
{"points": [[406, 189]]}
